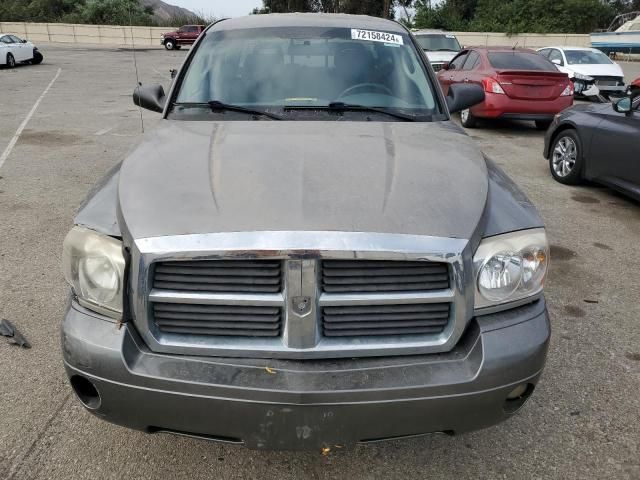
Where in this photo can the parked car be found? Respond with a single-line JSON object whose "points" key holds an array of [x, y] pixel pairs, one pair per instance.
{"points": [[440, 47], [306, 252], [597, 142], [587, 65], [185, 35], [518, 83], [14, 50]]}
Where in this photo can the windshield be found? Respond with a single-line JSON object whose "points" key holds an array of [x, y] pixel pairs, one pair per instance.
{"points": [[520, 61], [586, 57], [284, 68], [437, 43]]}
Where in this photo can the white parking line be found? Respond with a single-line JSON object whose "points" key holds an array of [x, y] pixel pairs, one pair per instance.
{"points": [[24, 123]]}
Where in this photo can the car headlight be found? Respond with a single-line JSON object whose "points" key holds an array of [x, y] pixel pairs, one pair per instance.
{"points": [[510, 267], [579, 76], [93, 264]]}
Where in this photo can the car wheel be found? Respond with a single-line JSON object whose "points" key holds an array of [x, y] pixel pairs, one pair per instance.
{"points": [[566, 159], [37, 58], [11, 62], [468, 119], [543, 124], [169, 44]]}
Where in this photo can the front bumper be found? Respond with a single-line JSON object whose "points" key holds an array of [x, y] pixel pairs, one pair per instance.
{"points": [[287, 404], [612, 88]]}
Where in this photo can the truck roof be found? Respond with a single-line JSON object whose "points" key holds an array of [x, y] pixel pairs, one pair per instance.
{"points": [[310, 20]]}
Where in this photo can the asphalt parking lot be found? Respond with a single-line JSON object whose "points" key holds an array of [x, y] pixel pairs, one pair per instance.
{"points": [[583, 421]]}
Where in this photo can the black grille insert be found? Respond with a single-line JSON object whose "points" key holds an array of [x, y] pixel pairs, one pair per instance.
{"points": [[218, 320], [381, 276], [368, 320], [220, 276]]}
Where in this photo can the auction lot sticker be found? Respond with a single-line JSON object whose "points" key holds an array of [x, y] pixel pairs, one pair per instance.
{"points": [[373, 36]]}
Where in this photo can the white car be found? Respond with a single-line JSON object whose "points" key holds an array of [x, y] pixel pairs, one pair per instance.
{"points": [[14, 50], [587, 64]]}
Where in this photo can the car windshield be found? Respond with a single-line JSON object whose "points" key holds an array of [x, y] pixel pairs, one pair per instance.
{"points": [[308, 67], [586, 57], [437, 43], [520, 61]]}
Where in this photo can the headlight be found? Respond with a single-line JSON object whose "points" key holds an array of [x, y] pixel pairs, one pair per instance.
{"points": [[579, 76], [93, 264], [510, 267]]}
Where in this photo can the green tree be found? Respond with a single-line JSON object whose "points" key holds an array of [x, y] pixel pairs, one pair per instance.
{"points": [[445, 16], [516, 16], [356, 7], [112, 12], [35, 10]]}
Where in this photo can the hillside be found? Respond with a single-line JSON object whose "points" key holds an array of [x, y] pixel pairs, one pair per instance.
{"points": [[165, 11]]}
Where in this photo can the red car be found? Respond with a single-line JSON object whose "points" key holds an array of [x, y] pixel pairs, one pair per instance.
{"points": [[519, 84], [185, 35], [634, 86]]}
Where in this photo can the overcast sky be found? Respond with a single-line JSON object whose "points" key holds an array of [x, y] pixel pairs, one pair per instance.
{"points": [[218, 8]]}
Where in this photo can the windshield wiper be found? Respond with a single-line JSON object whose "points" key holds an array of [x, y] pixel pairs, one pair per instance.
{"points": [[347, 107], [215, 105]]}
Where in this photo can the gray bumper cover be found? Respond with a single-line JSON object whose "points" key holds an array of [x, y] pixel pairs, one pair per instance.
{"points": [[308, 404]]}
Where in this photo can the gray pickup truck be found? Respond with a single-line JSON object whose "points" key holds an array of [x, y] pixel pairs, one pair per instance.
{"points": [[307, 252]]}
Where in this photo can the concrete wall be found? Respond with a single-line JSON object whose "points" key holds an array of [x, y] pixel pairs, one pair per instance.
{"points": [[524, 40], [149, 36], [97, 34]]}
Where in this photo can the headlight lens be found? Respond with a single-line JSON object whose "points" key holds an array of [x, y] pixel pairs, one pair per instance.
{"points": [[511, 267], [93, 265], [579, 76]]}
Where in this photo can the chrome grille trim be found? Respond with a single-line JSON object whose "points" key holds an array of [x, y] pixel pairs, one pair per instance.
{"points": [[301, 336], [334, 299], [173, 296]]}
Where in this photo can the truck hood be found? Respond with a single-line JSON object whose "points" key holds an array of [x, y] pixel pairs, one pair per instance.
{"points": [[611, 70], [206, 177]]}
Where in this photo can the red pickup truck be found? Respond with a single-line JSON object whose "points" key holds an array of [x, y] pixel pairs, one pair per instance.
{"points": [[185, 35]]}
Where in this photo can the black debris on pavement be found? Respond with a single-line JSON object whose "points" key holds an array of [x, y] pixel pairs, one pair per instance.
{"points": [[13, 335]]}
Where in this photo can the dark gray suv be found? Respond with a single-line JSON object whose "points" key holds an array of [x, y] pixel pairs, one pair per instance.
{"points": [[307, 252]]}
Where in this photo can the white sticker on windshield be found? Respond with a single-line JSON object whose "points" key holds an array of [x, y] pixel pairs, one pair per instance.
{"points": [[372, 36]]}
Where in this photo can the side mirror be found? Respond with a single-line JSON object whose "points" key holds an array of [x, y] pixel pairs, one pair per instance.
{"points": [[445, 66], [24, 41], [557, 61], [151, 97], [624, 105], [464, 95]]}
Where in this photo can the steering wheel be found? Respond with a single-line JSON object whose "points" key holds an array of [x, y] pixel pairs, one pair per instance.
{"points": [[366, 86]]}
